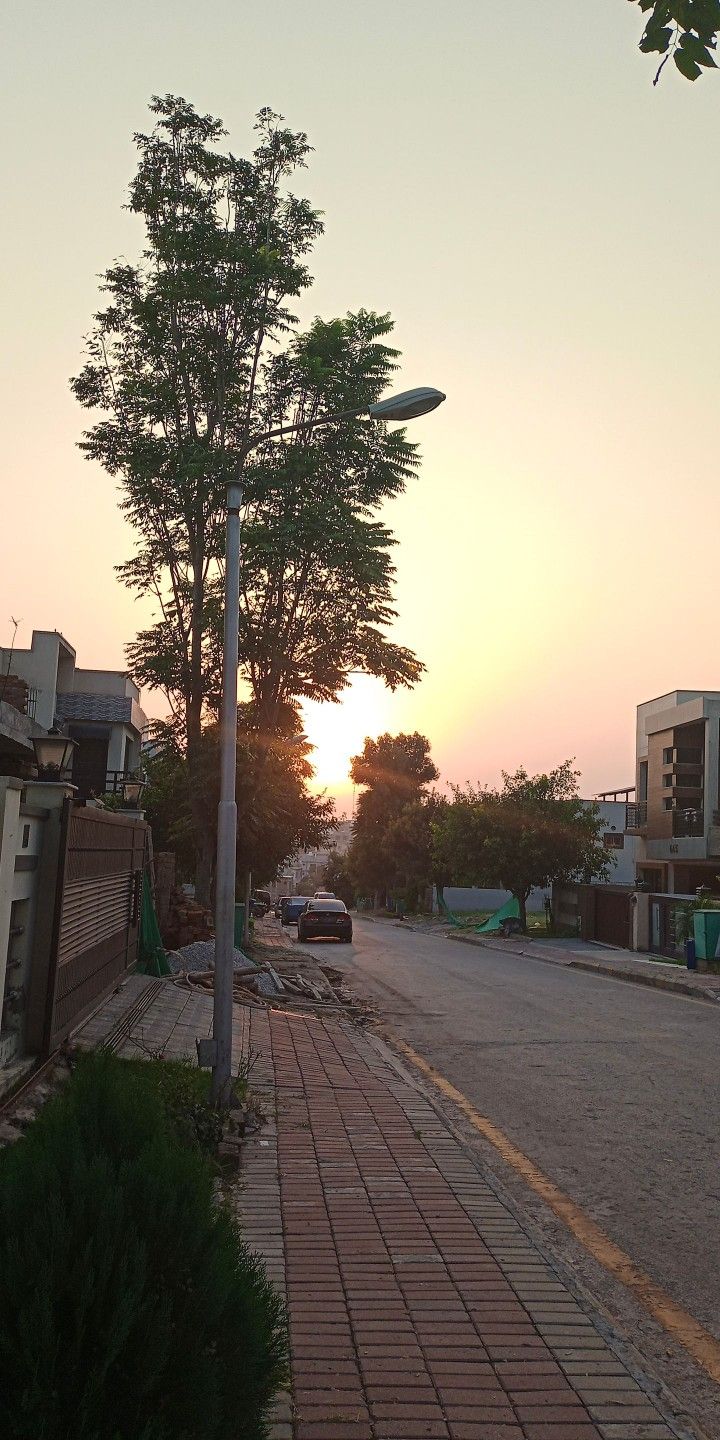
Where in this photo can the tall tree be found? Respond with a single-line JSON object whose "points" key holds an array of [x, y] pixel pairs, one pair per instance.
{"points": [[393, 771], [533, 832], [686, 30], [186, 364], [174, 361]]}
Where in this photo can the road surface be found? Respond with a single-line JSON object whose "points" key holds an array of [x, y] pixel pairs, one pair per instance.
{"points": [[612, 1089]]}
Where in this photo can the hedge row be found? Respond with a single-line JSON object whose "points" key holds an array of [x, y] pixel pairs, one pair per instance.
{"points": [[129, 1306]]}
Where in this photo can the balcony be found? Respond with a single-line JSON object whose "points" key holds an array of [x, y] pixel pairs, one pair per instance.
{"points": [[636, 816], [688, 823]]}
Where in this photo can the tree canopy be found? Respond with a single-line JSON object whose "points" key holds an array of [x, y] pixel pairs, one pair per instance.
{"points": [[197, 352], [532, 832], [686, 30], [394, 772], [277, 814]]}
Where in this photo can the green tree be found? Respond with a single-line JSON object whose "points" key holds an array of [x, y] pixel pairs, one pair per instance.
{"points": [[317, 577], [186, 363], [393, 771], [533, 832], [277, 813], [686, 30], [337, 877], [414, 860]]}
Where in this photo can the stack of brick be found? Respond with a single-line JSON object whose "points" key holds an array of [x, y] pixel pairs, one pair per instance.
{"points": [[186, 922]]}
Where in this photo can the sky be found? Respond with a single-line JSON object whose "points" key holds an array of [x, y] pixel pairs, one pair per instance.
{"points": [[541, 223]]}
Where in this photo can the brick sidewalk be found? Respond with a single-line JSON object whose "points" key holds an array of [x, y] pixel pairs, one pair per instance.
{"points": [[418, 1305]]}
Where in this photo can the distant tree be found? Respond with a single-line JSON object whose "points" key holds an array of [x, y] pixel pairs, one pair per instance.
{"points": [[686, 30], [393, 771], [414, 861], [533, 832], [337, 877]]}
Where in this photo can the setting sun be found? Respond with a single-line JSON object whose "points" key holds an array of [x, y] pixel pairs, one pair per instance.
{"points": [[338, 731]]}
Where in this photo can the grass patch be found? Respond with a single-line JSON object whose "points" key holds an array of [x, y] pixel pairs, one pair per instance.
{"points": [[129, 1307]]}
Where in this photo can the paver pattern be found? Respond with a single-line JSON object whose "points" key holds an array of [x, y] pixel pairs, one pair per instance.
{"points": [[418, 1305]]}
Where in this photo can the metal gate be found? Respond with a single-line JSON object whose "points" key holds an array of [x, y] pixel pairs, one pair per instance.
{"points": [[613, 917], [97, 916]]}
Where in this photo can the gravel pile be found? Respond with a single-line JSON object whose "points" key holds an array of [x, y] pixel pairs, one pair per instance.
{"points": [[201, 956]]}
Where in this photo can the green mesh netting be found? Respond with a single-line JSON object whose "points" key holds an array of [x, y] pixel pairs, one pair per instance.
{"points": [[152, 959]]}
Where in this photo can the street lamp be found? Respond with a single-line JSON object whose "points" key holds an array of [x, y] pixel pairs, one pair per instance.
{"points": [[132, 789], [406, 406], [53, 753]]}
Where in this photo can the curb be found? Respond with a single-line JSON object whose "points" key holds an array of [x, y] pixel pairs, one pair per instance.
{"points": [[656, 982], [594, 967]]}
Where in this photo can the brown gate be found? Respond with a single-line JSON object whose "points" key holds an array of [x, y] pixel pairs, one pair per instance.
{"points": [[613, 917], [97, 918]]}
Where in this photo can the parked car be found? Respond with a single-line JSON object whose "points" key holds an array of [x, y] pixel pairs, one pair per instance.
{"points": [[324, 895], [325, 917], [277, 907], [292, 908], [260, 903]]}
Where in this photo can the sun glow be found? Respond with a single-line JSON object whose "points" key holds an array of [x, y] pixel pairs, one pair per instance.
{"points": [[338, 731]]}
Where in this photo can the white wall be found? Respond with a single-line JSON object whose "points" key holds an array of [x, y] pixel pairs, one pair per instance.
{"points": [[624, 862], [470, 897]]}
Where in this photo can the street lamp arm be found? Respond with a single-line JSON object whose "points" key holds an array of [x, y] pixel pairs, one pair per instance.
{"points": [[298, 425], [397, 407]]}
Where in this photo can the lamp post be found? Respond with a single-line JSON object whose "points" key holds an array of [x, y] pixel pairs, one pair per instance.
{"points": [[405, 406]]}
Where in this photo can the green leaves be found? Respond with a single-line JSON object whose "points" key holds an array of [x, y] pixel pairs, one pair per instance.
{"points": [[196, 351], [686, 29], [532, 832]]}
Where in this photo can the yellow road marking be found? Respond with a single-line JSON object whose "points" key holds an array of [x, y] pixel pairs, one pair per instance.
{"points": [[699, 1343]]}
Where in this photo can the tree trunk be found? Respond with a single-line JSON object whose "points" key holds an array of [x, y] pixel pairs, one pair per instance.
{"points": [[522, 902], [204, 867]]}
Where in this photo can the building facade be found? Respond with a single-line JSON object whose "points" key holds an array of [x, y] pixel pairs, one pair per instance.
{"points": [[675, 817], [100, 709]]}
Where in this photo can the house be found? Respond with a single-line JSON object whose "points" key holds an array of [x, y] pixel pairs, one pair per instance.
{"points": [[99, 709], [675, 817]]}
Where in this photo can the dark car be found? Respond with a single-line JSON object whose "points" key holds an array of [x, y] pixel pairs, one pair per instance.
{"points": [[260, 903], [277, 907], [325, 917], [292, 907]]}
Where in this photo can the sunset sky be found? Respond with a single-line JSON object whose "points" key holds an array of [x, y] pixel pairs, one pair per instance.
{"points": [[541, 222]]}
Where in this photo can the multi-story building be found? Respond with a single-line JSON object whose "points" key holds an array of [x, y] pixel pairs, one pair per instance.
{"points": [[676, 811], [99, 709]]}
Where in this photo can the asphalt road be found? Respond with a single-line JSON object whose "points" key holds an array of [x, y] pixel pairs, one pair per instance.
{"points": [[612, 1089]]}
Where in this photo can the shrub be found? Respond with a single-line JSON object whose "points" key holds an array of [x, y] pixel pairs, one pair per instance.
{"points": [[129, 1307]]}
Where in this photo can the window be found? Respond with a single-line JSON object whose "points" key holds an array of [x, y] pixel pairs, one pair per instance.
{"points": [[614, 840], [668, 756], [667, 804], [667, 781]]}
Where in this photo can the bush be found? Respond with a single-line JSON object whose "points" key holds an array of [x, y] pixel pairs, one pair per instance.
{"points": [[129, 1307]]}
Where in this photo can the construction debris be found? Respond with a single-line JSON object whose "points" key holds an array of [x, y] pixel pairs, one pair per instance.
{"points": [[199, 955]]}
